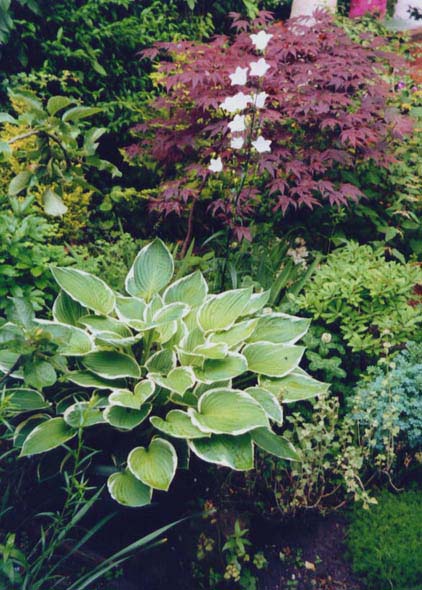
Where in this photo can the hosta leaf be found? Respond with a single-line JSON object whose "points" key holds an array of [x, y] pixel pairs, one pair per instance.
{"points": [[162, 361], [280, 328], [87, 379], [220, 369], [256, 302], [212, 350], [179, 379], [8, 360], [165, 332], [191, 289], [151, 271], [238, 334], [268, 402], [295, 387], [126, 399], [25, 400], [112, 365], [66, 310], [275, 445], [86, 289], [235, 452], [219, 312], [128, 491], [82, 415], [46, 436], [154, 466], [170, 313], [98, 324], [126, 418], [227, 411], [39, 374], [72, 341], [130, 308], [177, 424], [274, 360]]}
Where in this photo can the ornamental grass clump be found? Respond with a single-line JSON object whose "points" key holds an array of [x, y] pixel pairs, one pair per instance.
{"points": [[186, 371], [264, 121]]}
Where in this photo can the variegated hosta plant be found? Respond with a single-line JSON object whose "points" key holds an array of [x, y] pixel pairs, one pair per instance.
{"points": [[187, 371]]}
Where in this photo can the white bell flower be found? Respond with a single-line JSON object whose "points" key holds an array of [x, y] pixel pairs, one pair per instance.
{"points": [[238, 102], [240, 76], [237, 142], [259, 68], [259, 99], [238, 124], [262, 145], [261, 40], [216, 165]]}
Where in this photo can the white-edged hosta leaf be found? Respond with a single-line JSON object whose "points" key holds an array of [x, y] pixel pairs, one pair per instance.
{"points": [[82, 415], [237, 334], [98, 324], [165, 332], [20, 399], [126, 418], [126, 399], [155, 466], [256, 302], [144, 389], [191, 289], [88, 379], [274, 444], [228, 411], [177, 424], [151, 271], [221, 369], [212, 350], [128, 491], [274, 360], [86, 289], [219, 312], [268, 401], [170, 313], [178, 380], [130, 308], [280, 328], [71, 341], [112, 339], [112, 365], [201, 388], [296, 386], [46, 436], [8, 360], [235, 452], [162, 361], [66, 310]]}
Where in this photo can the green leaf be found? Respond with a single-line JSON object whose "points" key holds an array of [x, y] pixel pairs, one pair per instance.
{"points": [[82, 415], [126, 418], [219, 312], [178, 380], [78, 113], [112, 365], [211, 350], [235, 452], [191, 290], [72, 341], [256, 302], [39, 374], [280, 328], [19, 183], [57, 103], [53, 204], [48, 435], [237, 334], [274, 360], [87, 379], [151, 271], [275, 445], [126, 399], [162, 361], [268, 402], [98, 324], [177, 424], [6, 118], [25, 400], [86, 289], [130, 308], [155, 466], [128, 491], [66, 310], [227, 411], [220, 369], [296, 386]]}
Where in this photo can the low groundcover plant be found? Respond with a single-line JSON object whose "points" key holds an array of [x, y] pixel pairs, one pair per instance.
{"points": [[190, 371]]}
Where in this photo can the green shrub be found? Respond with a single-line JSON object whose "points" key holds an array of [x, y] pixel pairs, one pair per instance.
{"points": [[385, 542]]}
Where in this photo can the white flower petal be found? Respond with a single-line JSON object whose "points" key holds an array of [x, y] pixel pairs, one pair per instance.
{"points": [[262, 145], [238, 102], [240, 76], [259, 99], [259, 68], [216, 165], [237, 142], [261, 40], [238, 124]]}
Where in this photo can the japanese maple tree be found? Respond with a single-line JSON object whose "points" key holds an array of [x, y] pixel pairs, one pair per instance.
{"points": [[264, 120]]}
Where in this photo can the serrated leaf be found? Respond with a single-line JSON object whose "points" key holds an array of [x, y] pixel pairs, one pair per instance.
{"points": [[155, 466], [86, 289], [177, 424], [219, 312], [126, 418], [274, 360], [235, 452], [46, 436], [275, 445], [112, 365], [151, 271], [128, 491], [191, 290]]}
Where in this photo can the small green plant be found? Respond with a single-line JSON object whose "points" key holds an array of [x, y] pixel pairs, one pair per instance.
{"points": [[385, 541]]}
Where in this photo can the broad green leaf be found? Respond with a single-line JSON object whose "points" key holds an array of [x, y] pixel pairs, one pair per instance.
{"points": [[112, 365], [66, 310], [268, 402], [227, 411], [170, 313], [98, 324], [78, 113], [87, 379], [82, 415], [191, 289], [128, 491], [46, 436], [71, 341], [274, 360], [177, 424], [154, 466], [165, 332], [280, 328], [126, 418], [130, 308], [275, 445], [235, 452], [219, 312], [212, 350], [220, 369], [39, 374], [57, 103], [256, 302], [86, 289], [144, 389], [178, 380], [19, 183], [8, 359], [53, 204], [238, 334], [162, 361], [126, 399], [296, 386], [25, 400], [151, 271]]}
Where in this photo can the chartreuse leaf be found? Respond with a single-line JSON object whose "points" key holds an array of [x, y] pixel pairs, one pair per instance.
{"points": [[82, 415], [24, 400], [46, 436], [86, 289], [112, 365], [219, 312], [256, 302], [235, 452], [280, 328], [227, 411], [126, 418], [178, 380], [155, 466], [296, 386], [151, 271], [128, 491], [274, 360], [239, 333], [275, 445], [220, 369], [191, 289], [66, 310], [268, 402], [177, 424]]}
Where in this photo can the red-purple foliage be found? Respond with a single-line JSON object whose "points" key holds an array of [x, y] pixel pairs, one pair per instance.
{"points": [[325, 112]]}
